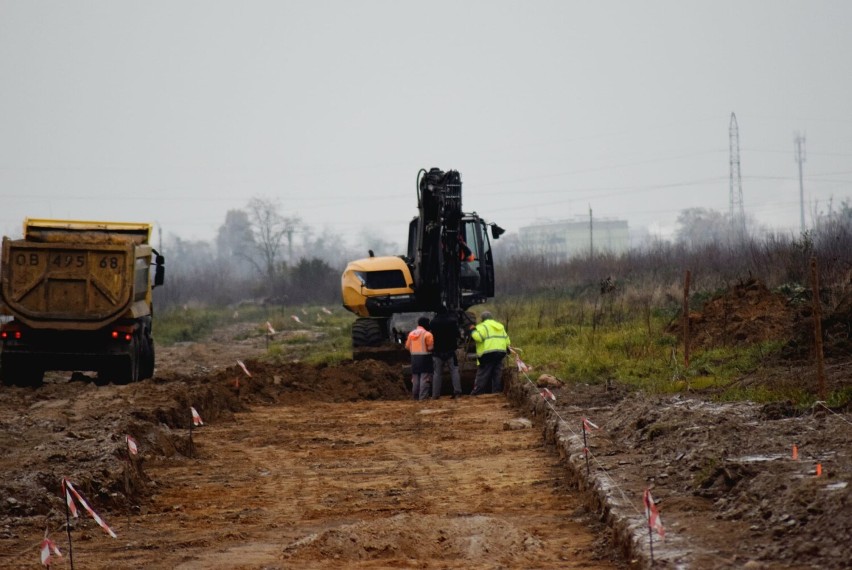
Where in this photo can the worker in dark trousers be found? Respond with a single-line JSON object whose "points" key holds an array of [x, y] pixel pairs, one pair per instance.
{"points": [[445, 330], [492, 345]]}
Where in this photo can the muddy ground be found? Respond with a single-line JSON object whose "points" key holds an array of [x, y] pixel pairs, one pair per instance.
{"points": [[303, 466], [297, 466]]}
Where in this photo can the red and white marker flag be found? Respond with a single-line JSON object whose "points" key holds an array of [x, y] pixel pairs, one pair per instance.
{"points": [[653, 515], [548, 395], [131, 445], [69, 500], [269, 328], [588, 426], [48, 549], [69, 488], [522, 366], [196, 419], [295, 318], [243, 366]]}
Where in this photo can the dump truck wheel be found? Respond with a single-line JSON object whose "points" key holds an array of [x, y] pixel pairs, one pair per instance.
{"points": [[127, 370], [15, 373], [123, 373], [367, 332], [7, 376], [146, 366]]}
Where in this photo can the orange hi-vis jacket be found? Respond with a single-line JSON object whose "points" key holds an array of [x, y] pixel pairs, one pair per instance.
{"points": [[419, 341]]}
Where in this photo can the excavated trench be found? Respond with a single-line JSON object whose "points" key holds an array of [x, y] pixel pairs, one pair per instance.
{"points": [[297, 466]]}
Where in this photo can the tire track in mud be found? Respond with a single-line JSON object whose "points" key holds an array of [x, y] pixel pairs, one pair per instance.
{"points": [[379, 484]]}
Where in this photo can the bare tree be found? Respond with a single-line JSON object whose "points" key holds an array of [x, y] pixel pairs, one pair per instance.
{"points": [[269, 229]]}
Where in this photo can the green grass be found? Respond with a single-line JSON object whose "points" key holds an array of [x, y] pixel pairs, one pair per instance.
{"points": [[574, 341], [319, 337], [596, 343], [189, 325]]}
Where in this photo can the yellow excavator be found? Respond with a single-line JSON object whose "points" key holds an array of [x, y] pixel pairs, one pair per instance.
{"points": [[448, 266]]}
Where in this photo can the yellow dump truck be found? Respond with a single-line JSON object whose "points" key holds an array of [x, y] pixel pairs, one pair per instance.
{"points": [[79, 295]]}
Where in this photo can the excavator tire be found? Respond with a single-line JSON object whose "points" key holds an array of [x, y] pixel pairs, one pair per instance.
{"points": [[367, 332]]}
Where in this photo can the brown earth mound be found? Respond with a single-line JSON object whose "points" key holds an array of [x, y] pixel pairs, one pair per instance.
{"points": [[747, 313]]}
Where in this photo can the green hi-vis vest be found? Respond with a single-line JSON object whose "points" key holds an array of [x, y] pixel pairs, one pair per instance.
{"points": [[490, 336]]}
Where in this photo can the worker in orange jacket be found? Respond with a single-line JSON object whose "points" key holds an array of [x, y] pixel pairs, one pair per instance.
{"points": [[420, 343]]}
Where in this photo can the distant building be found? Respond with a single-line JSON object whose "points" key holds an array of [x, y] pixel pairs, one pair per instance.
{"points": [[570, 238]]}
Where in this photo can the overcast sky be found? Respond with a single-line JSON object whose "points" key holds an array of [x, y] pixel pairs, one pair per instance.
{"points": [[176, 111]]}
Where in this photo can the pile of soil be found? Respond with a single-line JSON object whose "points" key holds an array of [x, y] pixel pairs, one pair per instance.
{"points": [[747, 313]]}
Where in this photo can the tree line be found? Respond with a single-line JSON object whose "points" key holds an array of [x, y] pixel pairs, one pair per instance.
{"points": [[704, 244], [262, 255]]}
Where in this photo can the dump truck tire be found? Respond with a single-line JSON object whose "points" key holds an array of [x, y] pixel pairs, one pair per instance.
{"points": [[127, 371], [14, 373], [146, 366]]}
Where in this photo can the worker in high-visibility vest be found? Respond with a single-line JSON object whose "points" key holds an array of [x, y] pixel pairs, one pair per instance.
{"points": [[492, 346], [420, 343]]}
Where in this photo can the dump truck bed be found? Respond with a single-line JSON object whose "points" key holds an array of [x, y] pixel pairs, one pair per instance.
{"points": [[76, 275]]}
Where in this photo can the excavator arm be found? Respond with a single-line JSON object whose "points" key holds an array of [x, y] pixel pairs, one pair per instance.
{"points": [[436, 239]]}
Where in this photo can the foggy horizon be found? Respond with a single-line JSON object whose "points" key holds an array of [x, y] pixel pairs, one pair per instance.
{"points": [[175, 113]]}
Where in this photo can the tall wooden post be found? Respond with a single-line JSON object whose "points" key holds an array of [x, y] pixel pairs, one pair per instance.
{"points": [[818, 349], [686, 319]]}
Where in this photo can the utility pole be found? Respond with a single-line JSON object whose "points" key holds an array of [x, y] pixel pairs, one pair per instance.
{"points": [[591, 235], [738, 230], [799, 141]]}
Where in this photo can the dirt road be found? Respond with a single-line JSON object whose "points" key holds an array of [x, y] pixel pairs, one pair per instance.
{"points": [[299, 467], [366, 485]]}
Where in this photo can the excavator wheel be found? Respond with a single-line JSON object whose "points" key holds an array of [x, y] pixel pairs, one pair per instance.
{"points": [[367, 332]]}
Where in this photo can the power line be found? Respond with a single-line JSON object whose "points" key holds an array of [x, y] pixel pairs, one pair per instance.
{"points": [[595, 169]]}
